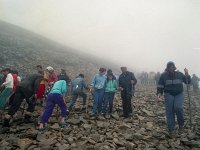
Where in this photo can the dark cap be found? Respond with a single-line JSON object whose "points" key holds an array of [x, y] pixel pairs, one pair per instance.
{"points": [[170, 63]]}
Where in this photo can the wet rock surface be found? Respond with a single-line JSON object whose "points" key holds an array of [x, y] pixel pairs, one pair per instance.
{"points": [[146, 129]]}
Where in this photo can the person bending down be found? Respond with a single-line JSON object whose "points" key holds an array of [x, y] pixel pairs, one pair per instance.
{"points": [[56, 96]]}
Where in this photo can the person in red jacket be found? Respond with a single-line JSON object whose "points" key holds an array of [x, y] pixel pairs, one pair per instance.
{"points": [[16, 79]]}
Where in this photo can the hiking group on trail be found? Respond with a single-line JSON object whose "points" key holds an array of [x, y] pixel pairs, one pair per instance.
{"points": [[46, 84]]}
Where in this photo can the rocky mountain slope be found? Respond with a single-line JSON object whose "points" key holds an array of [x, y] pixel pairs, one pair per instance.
{"points": [[146, 130], [23, 50]]}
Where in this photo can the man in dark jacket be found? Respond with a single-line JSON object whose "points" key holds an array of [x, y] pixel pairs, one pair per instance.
{"points": [[171, 84], [27, 89], [127, 81]]}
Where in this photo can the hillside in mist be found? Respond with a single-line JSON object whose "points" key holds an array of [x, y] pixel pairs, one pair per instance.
{"points": [[22, 50]]}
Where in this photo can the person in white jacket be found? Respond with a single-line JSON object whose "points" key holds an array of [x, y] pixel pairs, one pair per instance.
{"points": [[8, 87]]}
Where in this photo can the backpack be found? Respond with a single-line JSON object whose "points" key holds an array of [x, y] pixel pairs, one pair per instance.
{"points": [[77, 85]]}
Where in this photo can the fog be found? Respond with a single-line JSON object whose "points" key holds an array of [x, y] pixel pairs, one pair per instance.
{"points": [[140, 34]]}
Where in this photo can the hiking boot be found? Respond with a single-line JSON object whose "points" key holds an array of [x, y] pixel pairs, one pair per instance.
{"points": [[28, 119], [107, 116], [93, 116], [180, 130], [83, 109], [172, 133]]}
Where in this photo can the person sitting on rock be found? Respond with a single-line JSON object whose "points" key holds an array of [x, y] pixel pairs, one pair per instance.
{"points": [[77, 87], [56, 96], [110, 89], [27, 89], [8, 87]]}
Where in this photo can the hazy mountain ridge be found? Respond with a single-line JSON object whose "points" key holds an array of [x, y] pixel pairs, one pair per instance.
{"points": [[23, 50]]}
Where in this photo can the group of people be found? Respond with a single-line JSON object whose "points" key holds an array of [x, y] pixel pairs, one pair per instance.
{"points": [[103, 87], [32, 88]]}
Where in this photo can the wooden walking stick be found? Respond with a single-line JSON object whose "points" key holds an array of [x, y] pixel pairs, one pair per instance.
{"points": [[188, 94]]}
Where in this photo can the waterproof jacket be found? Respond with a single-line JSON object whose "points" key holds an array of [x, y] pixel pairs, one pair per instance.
{"points": [[31, 83], [172, 84], [60, 87], [78, 85], [111, 85], [125, 81]]}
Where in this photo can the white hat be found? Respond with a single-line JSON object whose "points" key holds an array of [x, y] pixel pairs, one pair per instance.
{"points": [[49, 68]]}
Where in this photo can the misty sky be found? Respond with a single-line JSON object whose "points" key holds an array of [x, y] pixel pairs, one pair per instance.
{"points": [[141, 34]]}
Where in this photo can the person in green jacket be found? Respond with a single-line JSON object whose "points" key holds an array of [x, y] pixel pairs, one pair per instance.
{"points": [[110, 89]]}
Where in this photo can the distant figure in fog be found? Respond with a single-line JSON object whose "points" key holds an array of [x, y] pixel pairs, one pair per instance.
{"points": [[195, 83], [157, 77]]}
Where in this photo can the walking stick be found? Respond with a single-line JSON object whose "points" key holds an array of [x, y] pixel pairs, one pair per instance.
{"points": [[188, 94]]}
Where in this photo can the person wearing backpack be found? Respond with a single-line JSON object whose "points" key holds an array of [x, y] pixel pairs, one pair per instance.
{"points": [[77, 87], [27, 89]]}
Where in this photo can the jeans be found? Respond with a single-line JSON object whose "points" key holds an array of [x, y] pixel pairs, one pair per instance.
{"points": [[74, 98], [98, 100], [108, 99], [174, 106]]}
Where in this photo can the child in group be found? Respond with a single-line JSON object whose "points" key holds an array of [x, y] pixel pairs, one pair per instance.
{"points": [[110, 89]]}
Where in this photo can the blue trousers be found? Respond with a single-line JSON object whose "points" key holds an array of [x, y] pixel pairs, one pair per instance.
{"points": [[174, 106], [108, 99], [98, 100], [52, 100]]}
